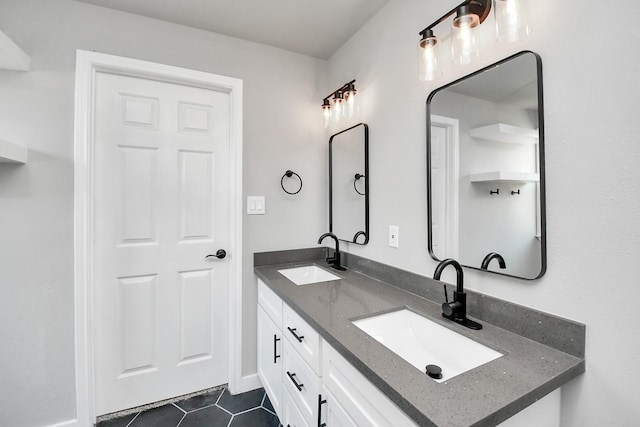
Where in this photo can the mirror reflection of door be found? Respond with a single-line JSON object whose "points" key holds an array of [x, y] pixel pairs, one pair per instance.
{"points": [[444, 187], [349, 184]]}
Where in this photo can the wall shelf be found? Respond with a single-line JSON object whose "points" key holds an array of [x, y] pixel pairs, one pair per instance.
{"points": [[11, 56], [501, 176], [506, 133], [12, 153]]}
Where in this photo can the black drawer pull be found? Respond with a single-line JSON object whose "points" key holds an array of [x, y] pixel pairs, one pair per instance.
{"points": [[275, 352], [320, 403], [293, 380], [293, 332]]}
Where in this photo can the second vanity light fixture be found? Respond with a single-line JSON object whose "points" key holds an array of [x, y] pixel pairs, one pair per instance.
{"points": [[340, 103], [511, 25]]}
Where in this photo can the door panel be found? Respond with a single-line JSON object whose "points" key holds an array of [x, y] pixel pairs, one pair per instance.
{"points": [[161, 205]]}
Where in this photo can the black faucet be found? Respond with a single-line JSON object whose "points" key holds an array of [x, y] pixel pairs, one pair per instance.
{"points": [[334, 261], [455, 310], [489, 257]]}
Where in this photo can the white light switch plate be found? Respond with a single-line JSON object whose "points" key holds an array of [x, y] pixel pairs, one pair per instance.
{"points": [[255, 205], [394, 236]]}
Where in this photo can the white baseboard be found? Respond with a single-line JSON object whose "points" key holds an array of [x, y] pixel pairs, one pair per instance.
{"points": [[73, 422], [250, 382]]}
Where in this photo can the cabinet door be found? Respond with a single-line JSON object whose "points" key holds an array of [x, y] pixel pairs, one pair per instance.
{"points": [[270, 359], [292, 415], [363, 401], [331, 413]]}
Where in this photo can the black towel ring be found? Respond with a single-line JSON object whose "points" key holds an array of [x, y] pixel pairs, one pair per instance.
{"points": [[355, 179], [289, 174]]}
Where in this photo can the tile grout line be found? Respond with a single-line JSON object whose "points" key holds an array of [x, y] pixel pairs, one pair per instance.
{"points": [[181, 419], [248, 410], [133, 419], [174, 404]]}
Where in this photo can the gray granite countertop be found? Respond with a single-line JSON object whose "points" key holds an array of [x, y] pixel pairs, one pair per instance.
{"points": [[484, 396]]}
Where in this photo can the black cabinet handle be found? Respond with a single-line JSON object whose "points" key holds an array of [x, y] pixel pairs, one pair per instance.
{"points": [[293, 380], [293, 332], [275, 352], [320, 403]]}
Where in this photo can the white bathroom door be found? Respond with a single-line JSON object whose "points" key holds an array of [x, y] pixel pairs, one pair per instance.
{"points": [[161, 206]]}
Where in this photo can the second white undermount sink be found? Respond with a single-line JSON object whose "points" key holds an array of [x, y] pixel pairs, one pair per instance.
{"points": [[307, 275], [423, 342]]}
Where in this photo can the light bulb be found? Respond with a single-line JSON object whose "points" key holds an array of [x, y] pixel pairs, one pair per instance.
{"points": [[427, 57], [463, 41]]}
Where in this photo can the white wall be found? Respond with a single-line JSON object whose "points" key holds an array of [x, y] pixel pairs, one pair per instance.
{"points": [[591, 93], [282, 130]]}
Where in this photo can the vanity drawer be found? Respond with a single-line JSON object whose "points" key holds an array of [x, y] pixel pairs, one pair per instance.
{"points": [[302, 384], [292, 415], [270, 302], [302, 337]]}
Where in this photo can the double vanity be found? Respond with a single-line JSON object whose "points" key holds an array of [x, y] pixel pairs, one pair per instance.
{"points": [[351, 347], [373, 345]]}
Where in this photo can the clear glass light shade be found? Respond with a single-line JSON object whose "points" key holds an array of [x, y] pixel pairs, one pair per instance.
{"points": [[338, 104], [464, 48], [326, 112], [512, 20], [350, 107], [427, 59]]}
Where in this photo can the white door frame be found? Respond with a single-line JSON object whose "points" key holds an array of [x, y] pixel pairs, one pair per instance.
{"points": [[87, 65], [452, 129]]}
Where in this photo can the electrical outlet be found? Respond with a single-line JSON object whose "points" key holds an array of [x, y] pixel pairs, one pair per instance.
{"points": [[394, 236]]}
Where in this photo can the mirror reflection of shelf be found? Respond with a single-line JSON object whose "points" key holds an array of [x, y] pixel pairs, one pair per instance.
{"points": [[501, 176], [12, 153], [506, 133]]}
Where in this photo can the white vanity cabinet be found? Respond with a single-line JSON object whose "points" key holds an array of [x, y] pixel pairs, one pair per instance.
{"points": [[288, 360], [292, 359]]}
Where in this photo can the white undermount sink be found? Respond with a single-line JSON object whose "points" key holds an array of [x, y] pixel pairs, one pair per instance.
{"points": [[422, 342], [307, 274]]}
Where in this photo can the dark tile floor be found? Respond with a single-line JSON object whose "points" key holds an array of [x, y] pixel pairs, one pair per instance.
{"points": [[217, 408]]}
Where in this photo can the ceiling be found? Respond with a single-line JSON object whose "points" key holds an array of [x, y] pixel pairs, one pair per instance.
{"points": [[312, 27]]}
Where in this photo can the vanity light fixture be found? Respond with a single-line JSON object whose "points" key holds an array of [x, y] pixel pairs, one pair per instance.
{"points": [[340, 103], [511, 24]]}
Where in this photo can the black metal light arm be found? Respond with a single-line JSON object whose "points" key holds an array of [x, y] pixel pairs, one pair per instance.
{"points": [[342, 88]]}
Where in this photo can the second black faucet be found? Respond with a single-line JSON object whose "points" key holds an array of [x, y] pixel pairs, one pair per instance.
{"points": [[334, 261]]}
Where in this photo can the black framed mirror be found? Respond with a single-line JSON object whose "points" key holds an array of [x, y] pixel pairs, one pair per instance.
{"points": [[349, 184], [486, 169]]}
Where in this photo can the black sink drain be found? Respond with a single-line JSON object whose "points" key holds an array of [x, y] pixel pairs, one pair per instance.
{"points": [[434, 371]]}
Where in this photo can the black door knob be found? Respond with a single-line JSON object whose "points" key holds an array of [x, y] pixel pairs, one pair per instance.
{"points": [[220, 253]]}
